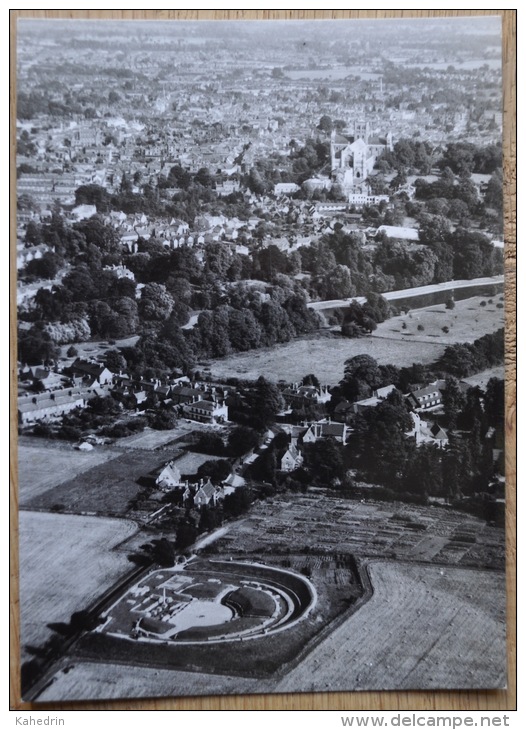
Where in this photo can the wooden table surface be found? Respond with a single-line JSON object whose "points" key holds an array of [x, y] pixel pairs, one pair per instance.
{"points": [[348, 701]]}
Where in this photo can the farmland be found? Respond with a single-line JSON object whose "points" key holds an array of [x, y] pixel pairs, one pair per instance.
{"points": [[419, 627], [66, 561], [326, 353], [105, 489], [423, 627], [43, 465], [432, 613], [101, 681]]}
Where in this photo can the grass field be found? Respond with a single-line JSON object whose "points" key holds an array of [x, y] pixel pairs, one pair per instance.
{"points": [[105, 681], [424, 627], [44, 466], [66, 561], [466, 322], [325, 354], [435, 619], [150, 439], [105, 489]]}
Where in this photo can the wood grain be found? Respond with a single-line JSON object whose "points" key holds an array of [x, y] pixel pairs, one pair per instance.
{"points": [[345, 701]]}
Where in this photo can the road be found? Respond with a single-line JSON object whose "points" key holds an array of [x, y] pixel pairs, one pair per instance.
{"points": [[415, 291]]}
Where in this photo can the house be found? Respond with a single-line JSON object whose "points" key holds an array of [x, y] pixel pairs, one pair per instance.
{"points": [[168, 477], [46, 379], [186, 394], [48, 405], [403, 232], [206, 411], [92, 371], [291, 459], [207, 493], [430, 396], [344, 412], [285, 188], [362, 199], [321, 430], [304, 395], [377, 397], [425, 432]]}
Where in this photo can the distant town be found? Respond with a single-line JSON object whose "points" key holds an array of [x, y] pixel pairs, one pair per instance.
{"points": [[260, 284]]}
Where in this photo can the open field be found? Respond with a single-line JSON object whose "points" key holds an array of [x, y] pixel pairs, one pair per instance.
{"points": [[66, 561], [424, 627], [80, 679], [466, 322], [325, 354], [150, 439], [106, 489], [482, 378], [45, 465], [436, 616]]}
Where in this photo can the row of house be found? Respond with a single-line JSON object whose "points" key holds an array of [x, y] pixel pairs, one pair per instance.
{"points": [[48, 406]]}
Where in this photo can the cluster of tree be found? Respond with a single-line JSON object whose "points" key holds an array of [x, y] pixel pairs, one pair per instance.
{"points": [[465, 158], [465, 359], [240, 441], [408, 155], [446, 255], [362, 318], [363, 375], [87, 241], [382, 454], [35, 103], [441, 193], [253, 321]]}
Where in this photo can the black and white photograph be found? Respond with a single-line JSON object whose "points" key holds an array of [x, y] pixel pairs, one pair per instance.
{"points": [[260, 330]]}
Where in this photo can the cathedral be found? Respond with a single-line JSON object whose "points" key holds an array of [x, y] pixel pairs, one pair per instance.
{"points": [[353, 156]]}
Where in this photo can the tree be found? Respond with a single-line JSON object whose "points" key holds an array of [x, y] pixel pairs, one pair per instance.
{"points": [[210, 443], [238, 502], [361, 377], [324, 461], [311, 379], [45, 267], [493, 196], [242, 440], [93, 195], [453, 401], [217, 470], [338, 284], [161, 551], [266, 403], [325, 124], [494, 401], [35, 346], [155, 302], [186, 532]]}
